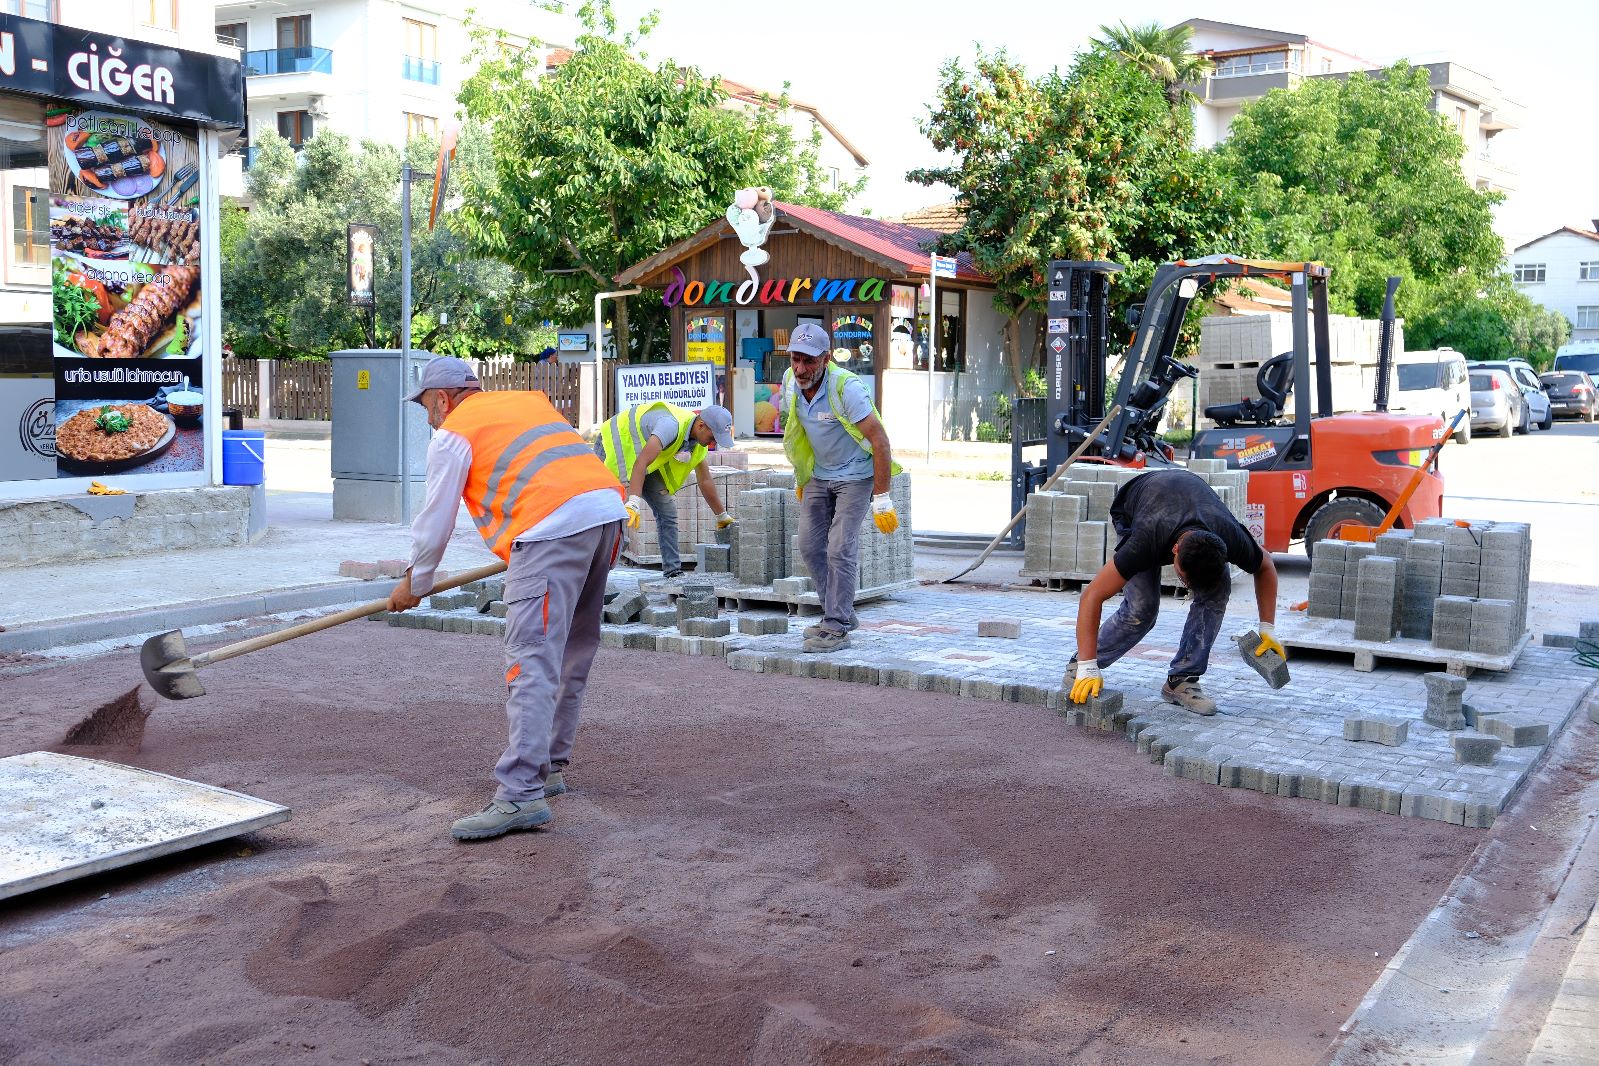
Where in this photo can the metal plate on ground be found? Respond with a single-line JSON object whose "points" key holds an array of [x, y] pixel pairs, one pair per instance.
{"points": [[1338, 635], [51, 829]]}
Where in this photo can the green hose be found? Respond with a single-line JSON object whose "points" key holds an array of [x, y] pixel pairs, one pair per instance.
{"points": [[1587, 654]]}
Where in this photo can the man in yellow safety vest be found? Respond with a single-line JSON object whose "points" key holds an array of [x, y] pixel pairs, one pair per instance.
{"points": [[652, 449], [835, 440]]}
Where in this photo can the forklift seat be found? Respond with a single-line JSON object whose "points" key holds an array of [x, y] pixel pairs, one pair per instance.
{"points": [[1274, 381]]}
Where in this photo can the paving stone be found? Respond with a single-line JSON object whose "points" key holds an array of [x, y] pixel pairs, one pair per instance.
{"points": [[793, 586], [1375, 729], [748, 661], [626, 607], [361, 570], [1270, 666], [1372, 796], [1516, 731], [762, 624], [639, 640], [1444, 699], [656, 615], [991, 627], [1476, 750], [1192, 766], [1432, 805], [706, 627]]}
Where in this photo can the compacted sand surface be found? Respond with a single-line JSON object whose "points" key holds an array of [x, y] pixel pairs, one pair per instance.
{"points": [[749, 869]]}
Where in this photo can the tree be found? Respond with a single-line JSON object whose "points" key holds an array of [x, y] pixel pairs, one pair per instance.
{"points": [[1359, 174], [607, 160], [1160, 52], [1092, 164], [1495, 322], [283, 280]]}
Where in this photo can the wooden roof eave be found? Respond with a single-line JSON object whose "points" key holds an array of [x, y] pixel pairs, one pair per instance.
{"points": [[672, 253]]}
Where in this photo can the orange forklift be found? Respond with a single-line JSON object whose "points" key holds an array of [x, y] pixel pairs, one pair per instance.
{"points": [[1311, 477]]}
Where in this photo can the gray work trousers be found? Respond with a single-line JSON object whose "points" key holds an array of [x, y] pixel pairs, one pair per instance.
{"points": [[831, 513], [1136, 617], [664, 507], [554, 594]]}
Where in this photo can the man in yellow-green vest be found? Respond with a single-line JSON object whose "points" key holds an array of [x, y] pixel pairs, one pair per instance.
{"points": [[652, 449], [842, 466]]}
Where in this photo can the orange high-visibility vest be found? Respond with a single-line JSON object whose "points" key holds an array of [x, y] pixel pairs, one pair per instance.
{"points": [[526, 461]]}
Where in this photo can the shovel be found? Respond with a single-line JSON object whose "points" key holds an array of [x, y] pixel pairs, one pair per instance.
{"points": [[172, 673]]}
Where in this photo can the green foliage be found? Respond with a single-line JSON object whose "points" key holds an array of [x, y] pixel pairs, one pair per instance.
{"points": [[608, 160], [284, 282], [1359, 174], [1092, 164], [1161, 52], [1495, 322]]}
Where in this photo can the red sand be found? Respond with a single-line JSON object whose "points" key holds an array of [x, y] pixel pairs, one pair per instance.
{"points": [[749, 870]]}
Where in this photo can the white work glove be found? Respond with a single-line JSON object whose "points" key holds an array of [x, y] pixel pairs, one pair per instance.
{"points": [[883, 513], [1090, 682], [724, 519], [635, 511], [1268, 641]]}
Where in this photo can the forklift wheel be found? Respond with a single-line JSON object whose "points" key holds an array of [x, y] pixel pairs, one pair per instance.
{"points": [[1331, 517]]}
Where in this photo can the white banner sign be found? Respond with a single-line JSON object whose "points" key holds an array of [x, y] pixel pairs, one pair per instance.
{"points": [[691, 385]]}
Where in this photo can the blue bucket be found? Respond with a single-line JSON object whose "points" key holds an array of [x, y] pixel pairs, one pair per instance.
{"points": [[243, 457]]}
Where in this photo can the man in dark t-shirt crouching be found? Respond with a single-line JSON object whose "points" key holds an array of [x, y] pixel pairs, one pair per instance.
{"points": [[1170, 516]]}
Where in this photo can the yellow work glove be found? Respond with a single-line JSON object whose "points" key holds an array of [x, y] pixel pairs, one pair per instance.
{"points": [[98, 488], [724, 519], [799, 493], [635, 511], [1090, 682], [1269, 642], [883, 513]]}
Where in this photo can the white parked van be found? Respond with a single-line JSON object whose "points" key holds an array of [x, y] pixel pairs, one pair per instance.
{"points": [[1434, 383], [1579, 355]]}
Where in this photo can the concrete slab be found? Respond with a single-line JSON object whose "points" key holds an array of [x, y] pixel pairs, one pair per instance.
{"points": [[63, 817]]}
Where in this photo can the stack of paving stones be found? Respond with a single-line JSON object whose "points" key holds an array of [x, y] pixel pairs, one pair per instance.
{"points": [[696, 523], [1069, 533], [1460, 587], [1293, 742]]}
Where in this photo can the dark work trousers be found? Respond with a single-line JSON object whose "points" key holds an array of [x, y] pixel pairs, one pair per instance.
{"points": [[1136, 616], [831, 513], [554, 595]]}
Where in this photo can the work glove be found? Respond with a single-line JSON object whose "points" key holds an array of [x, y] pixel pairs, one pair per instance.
{"points": [[799, 493], [724, 519], [635, 511], [100, 488], [1090, 682], [1269, 642], [883, 513]]}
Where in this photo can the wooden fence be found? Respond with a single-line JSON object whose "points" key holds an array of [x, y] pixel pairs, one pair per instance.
{"points": [[303, 388]]}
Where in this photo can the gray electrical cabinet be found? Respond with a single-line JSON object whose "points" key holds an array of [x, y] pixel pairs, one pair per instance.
{"points": [[369, 386]]}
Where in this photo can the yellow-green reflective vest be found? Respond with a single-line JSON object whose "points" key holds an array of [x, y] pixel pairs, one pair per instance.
{"points": [[623, 440], [796, 445]]}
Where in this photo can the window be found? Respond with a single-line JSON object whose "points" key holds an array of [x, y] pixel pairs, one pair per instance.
{"points": [[421, 126], [421, 59], [294, 31], [1588, 318], [30, 226], [1588, 271], [295, 127], [33, 9], [236, 32], [832, 175], [1529, 273], [1260, 63], [162, 14], [24, 193], [1326, 65]]}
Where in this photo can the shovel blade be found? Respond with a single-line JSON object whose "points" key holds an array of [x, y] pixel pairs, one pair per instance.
{"points": [[167, 667]]}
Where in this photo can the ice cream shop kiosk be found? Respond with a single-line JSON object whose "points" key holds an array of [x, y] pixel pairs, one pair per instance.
{"points": [[864, 280]]}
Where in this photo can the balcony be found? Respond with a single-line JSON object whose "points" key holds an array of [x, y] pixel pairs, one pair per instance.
{"points": [[301, 60], [413, 68]]}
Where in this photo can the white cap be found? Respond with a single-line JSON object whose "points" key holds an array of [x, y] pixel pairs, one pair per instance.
{"points": [[809, 339], [720, 419], [444, 372]]}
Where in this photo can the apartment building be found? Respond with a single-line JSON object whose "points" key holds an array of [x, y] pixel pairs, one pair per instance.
{"points": [[383, 70], [1560, 271], [182, 24], [1250, 62]]}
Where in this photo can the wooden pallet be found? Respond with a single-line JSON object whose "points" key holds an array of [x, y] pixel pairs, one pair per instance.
{"points": [[1338, 635], [763, 597]]}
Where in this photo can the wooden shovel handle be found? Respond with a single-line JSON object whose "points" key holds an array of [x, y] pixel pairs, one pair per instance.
{"points": [[316, 625]]}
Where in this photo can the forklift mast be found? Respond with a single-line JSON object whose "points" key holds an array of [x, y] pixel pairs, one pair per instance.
{"points": [[1076, 339]]}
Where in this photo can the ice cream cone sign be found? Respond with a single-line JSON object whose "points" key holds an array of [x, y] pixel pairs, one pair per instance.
{"points": [[751, 215]]}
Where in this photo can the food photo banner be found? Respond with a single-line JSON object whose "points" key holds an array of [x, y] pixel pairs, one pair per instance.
{"points": [[125, 278]]}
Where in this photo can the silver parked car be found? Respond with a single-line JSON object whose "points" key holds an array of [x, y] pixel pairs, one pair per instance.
{"points": [[1540, 412], [1497, 405]]}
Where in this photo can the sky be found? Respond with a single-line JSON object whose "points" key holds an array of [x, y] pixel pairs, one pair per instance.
{"points": [[872, 68]]}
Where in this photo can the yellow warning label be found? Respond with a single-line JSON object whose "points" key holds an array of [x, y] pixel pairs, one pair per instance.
{"points": [[363, 379]]}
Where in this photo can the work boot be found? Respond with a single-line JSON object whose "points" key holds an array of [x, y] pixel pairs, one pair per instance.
{"points": [[502, 816], [815, 631], [1185, 693], [672, 575], [825, 641], [554, 784]]}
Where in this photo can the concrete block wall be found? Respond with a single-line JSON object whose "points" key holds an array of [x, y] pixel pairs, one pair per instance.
{"points": [[1069, 532], [696, 523], [51, 531], [1461, 587]]}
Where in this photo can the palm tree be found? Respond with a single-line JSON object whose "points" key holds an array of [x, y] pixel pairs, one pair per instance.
{"points": [[1159, 51]]}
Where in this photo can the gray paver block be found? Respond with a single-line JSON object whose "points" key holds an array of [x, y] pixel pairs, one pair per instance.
{"points": [[639, 640], [658, 616], [1516, 731], [1434, 805], [1100, 711], [625, 608], [749, 661], [1476, 750], [1377, 729], [1588, 631], [706, 627], [762, 625], [999, 627], [1271, 666], [1475, 716], [1372, 796], [1444, 699], [1192, 766]]}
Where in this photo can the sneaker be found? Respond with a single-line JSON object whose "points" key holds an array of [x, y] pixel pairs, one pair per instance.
{"points": [[672, 575], [554, 784], [502, 816], [815, 631], [1187, 695], [825, 641]]}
